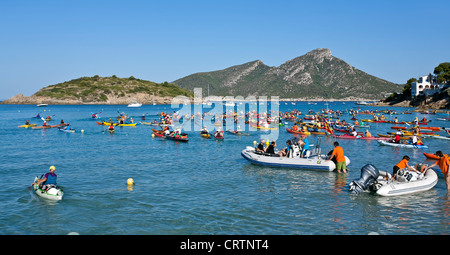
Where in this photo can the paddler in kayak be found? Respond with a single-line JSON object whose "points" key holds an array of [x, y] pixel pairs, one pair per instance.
{"points": [[49, 179], [27, 122], [111, 127], [367, 133]]}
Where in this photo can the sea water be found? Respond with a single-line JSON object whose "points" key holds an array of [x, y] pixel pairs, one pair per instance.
{"points": [[203, 187]]}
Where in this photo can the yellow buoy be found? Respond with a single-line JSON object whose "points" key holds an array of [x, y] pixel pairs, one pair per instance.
{"points": [[255, 143], [153, 135], [82, 130], [130, 181]]}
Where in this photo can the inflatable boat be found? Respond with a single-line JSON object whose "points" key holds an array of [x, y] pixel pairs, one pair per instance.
{"points": [[381, 183], [313, 162]]}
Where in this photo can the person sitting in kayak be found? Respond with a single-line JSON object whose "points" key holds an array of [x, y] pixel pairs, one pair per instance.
{"points": [[204, 131], [44, 124], [367, 133], [111, 127], [49, 179], [354, 133], [295, 128], [27, 123], [414, 139], [67, 127], [396, 138]]}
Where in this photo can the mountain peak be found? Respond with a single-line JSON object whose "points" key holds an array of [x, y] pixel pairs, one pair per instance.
{"points": [[313, 75]]}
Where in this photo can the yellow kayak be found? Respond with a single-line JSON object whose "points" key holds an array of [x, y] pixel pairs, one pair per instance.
{"points": [[116, 124], [27, 126]]}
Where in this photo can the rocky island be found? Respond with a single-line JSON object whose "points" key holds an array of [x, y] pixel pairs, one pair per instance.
{"points": [[104, 90]]}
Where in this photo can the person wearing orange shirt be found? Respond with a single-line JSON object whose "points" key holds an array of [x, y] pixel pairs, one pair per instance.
{"points": [[338, 153], [401, 165], [443, 163]]}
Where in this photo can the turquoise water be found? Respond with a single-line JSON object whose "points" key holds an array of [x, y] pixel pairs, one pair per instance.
{"points": [[200, 187]]}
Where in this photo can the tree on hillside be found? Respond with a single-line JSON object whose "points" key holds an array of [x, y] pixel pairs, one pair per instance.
{"points": [[442, 71]]}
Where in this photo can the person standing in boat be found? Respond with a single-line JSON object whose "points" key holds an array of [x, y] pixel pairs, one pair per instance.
{"points": [[305, 146], [443, 162], [338, 153]]}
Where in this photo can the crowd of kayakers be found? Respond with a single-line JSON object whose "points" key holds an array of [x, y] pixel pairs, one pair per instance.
{"points": [[325, 120]]}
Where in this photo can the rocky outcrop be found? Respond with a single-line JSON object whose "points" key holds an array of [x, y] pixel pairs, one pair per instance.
{"points": [[104, 90]]}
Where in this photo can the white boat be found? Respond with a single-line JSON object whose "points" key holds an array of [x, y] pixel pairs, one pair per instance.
{"points": [[52, 193], [42, 105], [381, 183], [362, 103], [402, 145], [314, 162], [135, 104], [437, 137], [406, 183]]}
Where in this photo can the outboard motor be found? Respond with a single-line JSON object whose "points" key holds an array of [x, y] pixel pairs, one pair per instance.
{"points": [[369, 174]]}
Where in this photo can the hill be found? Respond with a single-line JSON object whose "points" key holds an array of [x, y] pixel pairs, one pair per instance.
{"points": [[103, 90], [315, 75]]}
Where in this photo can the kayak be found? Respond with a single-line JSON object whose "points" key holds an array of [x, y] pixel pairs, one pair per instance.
{"points": [[392, 137], [181, 138], [51, 126], [298, 132], [402, 145], [345, 136], [52, 193], [421, 128], [158, 133], [438, 137], [204, 135], [116, 124], [261, 127], [219, 137], [66, 131], [111, 131], [27, 126], [236, 132]]}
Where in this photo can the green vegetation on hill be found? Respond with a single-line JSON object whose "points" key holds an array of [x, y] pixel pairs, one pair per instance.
{"points": [[316, 74], [98, 89]]}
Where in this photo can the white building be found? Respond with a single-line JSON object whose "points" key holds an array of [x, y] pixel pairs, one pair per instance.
{"points": [[426, 85]]}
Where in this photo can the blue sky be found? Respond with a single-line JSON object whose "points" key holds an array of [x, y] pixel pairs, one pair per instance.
{"points": [[47, 42]]}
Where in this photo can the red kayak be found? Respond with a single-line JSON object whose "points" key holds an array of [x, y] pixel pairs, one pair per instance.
{"points": [[345, 136], [51, 126], [424, 128]]}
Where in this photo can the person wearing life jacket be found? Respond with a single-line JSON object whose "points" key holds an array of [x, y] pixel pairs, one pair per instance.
{"points": [[49, 179], [27, 123], [111, 127]]}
